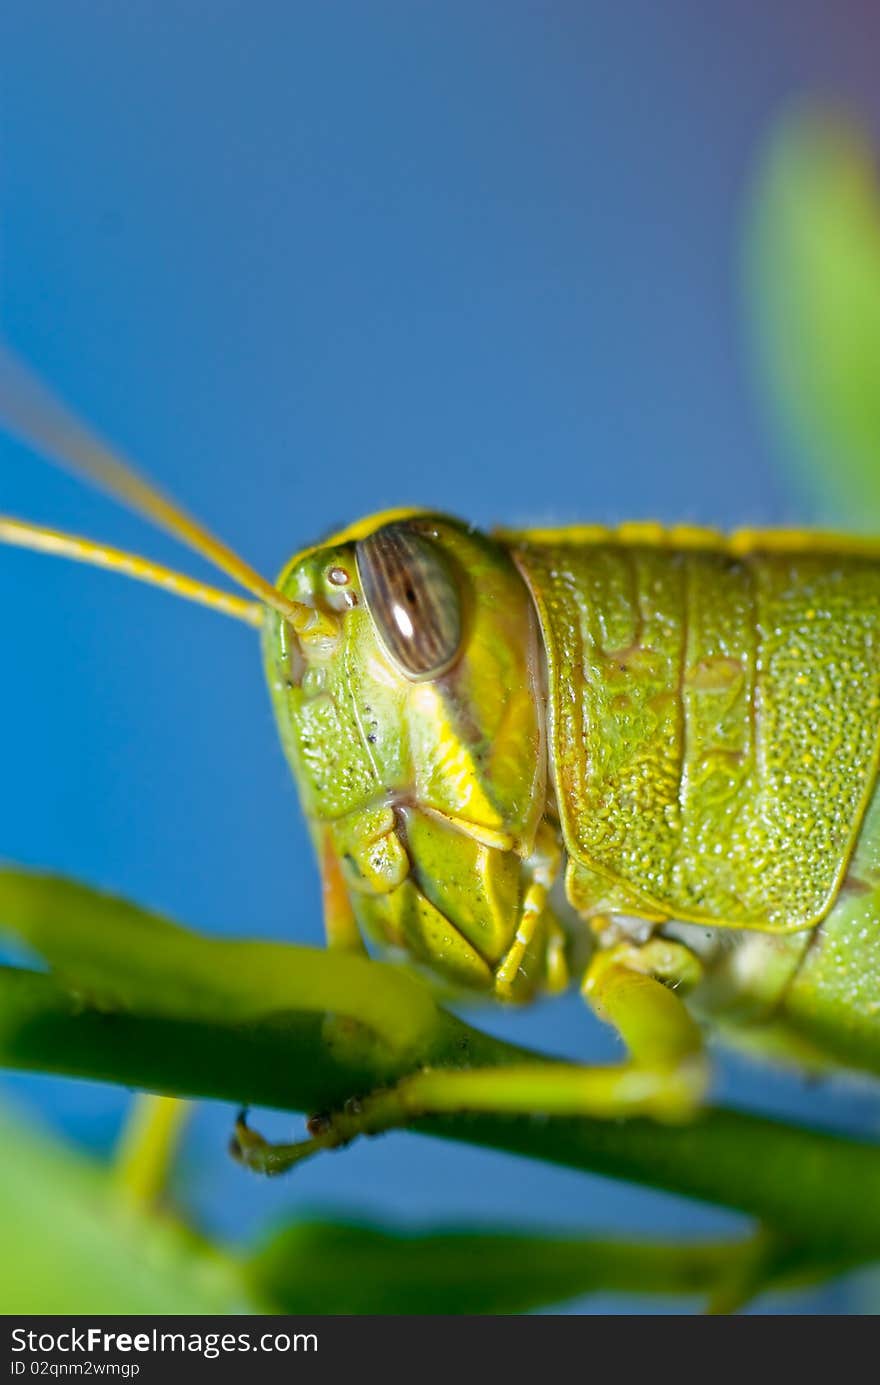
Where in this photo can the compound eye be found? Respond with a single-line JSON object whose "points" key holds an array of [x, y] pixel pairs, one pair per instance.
{"points": [[413, 599]]}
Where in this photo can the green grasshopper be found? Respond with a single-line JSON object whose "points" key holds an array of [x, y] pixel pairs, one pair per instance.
{"points": [[644, 756]]}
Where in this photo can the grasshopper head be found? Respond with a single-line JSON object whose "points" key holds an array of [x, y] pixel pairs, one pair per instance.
{"points": [[402, 657], [409, 707]]}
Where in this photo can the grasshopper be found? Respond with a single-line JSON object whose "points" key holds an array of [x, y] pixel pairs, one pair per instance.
{"points": [[644, 759]]}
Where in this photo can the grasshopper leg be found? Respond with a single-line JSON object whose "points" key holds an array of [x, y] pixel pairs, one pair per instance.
{"points": [[665, 1078], [340, 925], [544, 867], [250, 1148], [638, 990], [341, 931]]}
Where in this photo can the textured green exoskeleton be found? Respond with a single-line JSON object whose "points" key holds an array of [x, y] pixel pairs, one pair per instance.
{"points": [[644, 758], [658, 749]]}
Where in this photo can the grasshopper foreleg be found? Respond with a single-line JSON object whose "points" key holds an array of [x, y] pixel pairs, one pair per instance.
{"points": [[340, 924], [665, 1078]]}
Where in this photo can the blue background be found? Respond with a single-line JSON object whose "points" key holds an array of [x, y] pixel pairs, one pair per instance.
{"points": [[304, 262]]}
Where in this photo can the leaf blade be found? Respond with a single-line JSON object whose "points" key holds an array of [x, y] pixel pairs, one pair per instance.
{"points": [[812, 299]]}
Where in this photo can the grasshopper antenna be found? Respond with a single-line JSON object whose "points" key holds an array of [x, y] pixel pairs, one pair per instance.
{"points": [[17, 533], [30, 412]]}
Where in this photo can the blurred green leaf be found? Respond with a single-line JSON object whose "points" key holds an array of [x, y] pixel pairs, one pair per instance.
{"points": [[74, 1245], [812, 262], [70, 1248], [325, 1267]]}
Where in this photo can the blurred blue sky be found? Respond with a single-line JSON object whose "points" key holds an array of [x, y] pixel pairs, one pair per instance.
{"points": [[303, 262]]}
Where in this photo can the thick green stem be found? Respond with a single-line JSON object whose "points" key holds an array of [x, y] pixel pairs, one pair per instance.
{"points": [[122, 956], [819, 1189]]}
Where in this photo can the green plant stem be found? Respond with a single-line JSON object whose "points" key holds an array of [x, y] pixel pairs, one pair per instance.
{"points": [[122, 956], [818, 1189], [147, 1147]]}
